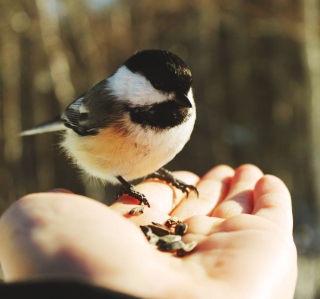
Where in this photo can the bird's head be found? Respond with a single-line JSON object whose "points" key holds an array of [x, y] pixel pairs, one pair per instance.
{"points": [[153, 76]]}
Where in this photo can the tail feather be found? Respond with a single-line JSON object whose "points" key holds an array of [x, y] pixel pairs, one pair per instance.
{"points": [[52, 126]]}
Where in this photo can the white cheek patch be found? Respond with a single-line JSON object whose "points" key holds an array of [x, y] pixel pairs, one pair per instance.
{"points": [[190, 97], [135, 88]]}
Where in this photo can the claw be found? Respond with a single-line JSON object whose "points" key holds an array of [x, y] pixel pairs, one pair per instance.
{"points": [[129, 189], [167, 176]]}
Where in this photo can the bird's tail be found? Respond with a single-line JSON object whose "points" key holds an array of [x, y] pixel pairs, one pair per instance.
{"points": [[51, 126]]}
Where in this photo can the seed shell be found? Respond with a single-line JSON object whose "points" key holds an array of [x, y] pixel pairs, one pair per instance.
{"points": [[171, 246], [159, 229], [136, 210], [181, 228], [186, 248], [169, 239]]}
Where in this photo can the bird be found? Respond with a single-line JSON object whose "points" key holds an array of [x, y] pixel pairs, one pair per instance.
{"points": [[131, 124]]}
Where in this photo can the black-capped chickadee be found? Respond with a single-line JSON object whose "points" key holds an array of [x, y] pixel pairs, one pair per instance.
{"points": [[132, 123]]}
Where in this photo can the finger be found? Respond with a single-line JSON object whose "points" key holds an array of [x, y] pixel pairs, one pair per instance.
{"points": [[240, 198], [272, 201], [160, 195], [212, 188]]}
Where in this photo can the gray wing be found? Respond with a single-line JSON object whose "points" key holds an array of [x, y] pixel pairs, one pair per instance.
{"points": [[71, 118], [95, 110], [76, 117], [91, 112]]}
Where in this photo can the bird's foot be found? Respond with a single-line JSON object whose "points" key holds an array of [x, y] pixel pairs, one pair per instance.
{"points": [[167, 176], [129, 189]]}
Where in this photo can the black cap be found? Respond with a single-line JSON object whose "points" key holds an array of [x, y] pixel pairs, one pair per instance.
{"points": [[165, 70]]}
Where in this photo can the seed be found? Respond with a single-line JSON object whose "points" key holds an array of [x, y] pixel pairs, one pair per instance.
{"points": [[154, 239], [171, 246], [172, 221], [190, 246], [159, 229], [157, 224], [186, 248], [146, 230], [136, 210], [169, 239], [181, 228]]}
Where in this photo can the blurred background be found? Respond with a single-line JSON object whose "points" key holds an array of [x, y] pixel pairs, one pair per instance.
{"points": [[256, 69]]}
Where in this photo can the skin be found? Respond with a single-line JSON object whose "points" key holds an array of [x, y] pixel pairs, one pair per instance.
{"points": [[242, 220]]}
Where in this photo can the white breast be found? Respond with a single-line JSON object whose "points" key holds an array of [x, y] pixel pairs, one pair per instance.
{"points": [[133, 154]]}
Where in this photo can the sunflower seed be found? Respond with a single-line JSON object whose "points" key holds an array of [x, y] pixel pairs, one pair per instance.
{"points": [[136, 210], [146, 230], [154, 239], [187, 248], [190, 246], [159, 229], [181, 228], [171, 246], [172, 221], [169, 239]]}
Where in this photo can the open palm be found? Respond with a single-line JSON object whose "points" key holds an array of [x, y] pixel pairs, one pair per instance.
{"points": [[242, 220]]}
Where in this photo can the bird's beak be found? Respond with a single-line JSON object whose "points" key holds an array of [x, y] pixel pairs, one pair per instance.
{"points": [[182, 100]]}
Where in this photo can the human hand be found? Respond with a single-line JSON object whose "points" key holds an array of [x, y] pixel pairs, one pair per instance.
{"points": [[242, 220]]}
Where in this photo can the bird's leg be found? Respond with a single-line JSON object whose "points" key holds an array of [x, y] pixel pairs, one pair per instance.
{"points": [[129, 189], [167, 176]]}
